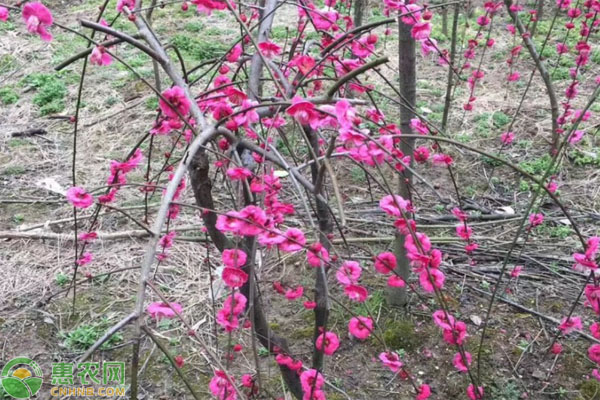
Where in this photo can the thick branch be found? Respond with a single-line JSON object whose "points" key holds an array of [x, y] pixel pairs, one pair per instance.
{"points": [[202, 186]]}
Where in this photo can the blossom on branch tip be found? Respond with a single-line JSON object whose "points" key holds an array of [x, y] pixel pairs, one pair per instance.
{"points": [[3, 14], [178, 101], [161, 310], [234, 258], [348, 273], [327, 342], [391, 360], [100, 56], [79, 198], [37, 18], [360, 327]]}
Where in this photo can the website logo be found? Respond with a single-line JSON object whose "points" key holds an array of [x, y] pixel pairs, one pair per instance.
{"points": [[22, 378]]}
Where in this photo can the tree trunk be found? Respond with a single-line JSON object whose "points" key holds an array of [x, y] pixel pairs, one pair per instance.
{"points": [[202, 188], [359, 12], [445, 21], [325, 227], [407, 81]]}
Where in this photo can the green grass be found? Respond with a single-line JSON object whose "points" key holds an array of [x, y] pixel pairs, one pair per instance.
{"points": [[50, 92], [82, 337], [8, 96], [62, 279], [560, 74], [14, 170], [537, 166], [199, 49]]}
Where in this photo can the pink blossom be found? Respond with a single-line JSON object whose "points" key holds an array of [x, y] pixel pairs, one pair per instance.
{"points": [[356, 293], [442, 159], [87, 236], [460, 363], [294, 240], [85, 259], [421, 154], [121, 4], [464, 232], [594, 353], [247, 380], [162, 310], [166, 241], [239, 303], [569, 325], [239, 173], [293, 294], [556, 348], [309, 305], [348, 273], [304, 112], [235, 53], [419, 126], [424, 392], [571, 91], [385, 262], [421, 31], [428, 46], [365, 46], [79, 197], [179, 361], [311, 379], [234, 277], [317, 254], [3, 14], [395, 281], [516, 271], [227, 321], [576, 136], [252, 220], [327, 342], [177, 99], [229, 222], [391, 360], [207, 6], [459, 214], [561, 48], [507, 138], [483, 20], [221, 387], [592, 295], [474, 395], [443, 319], [360, 327], [595, 329], [269, 49], [552, 187], [305, 63], [100, 56], [587, 259], [536, 219], [431, 279], [457, 335], [37, 18], [234, 258], [394, 205]]}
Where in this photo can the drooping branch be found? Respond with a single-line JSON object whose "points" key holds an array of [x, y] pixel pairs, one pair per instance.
{"points": [[123, 36], [526, 36]]}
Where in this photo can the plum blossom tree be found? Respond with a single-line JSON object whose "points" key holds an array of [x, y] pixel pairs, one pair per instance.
{"points": [[319, 92]]}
